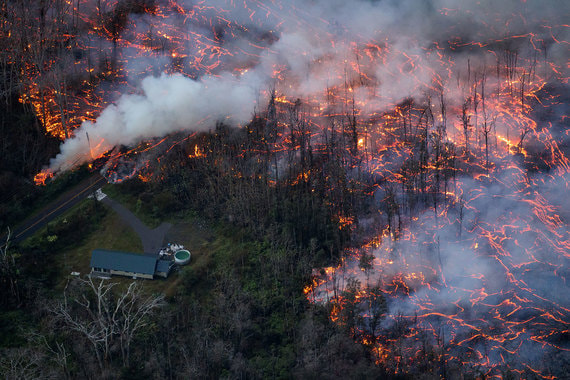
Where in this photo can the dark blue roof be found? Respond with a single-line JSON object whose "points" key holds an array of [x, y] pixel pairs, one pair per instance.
{"points": [[163, 266], [123, 261]]}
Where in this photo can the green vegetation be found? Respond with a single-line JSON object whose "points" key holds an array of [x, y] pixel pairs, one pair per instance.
{"points": [[66, 242], [44, 255], [108, 233], [24, 200], [23, 151], [152, 209], [236, 310]]}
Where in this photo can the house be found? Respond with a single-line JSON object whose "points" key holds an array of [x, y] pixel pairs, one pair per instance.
{"points": [[106, 262], [163, 268]]}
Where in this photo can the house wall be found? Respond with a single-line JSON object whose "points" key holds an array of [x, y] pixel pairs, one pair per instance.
{"points": [[100, 270], [162, 274], [131, 274]]}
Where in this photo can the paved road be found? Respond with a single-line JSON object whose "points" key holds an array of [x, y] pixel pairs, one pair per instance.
{"points": [[152, 239], [56, 208]]}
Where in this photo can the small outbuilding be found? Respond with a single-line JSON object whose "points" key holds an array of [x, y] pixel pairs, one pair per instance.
{"points": [[163, 268], [107, 262]]}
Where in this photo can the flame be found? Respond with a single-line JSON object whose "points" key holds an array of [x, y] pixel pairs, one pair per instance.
{"points": [[41, 178], [144, 177], [345, 221], [469, 133], [197, 152]]}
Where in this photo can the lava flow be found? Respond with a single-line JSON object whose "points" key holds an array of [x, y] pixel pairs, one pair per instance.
{"points": [[449, 117], [483, 278]]}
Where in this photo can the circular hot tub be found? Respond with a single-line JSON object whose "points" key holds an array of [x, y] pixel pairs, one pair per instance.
{"points": [[182, 257]]}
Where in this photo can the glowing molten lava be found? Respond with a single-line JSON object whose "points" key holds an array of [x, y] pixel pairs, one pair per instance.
{"points": [[455, 130]]}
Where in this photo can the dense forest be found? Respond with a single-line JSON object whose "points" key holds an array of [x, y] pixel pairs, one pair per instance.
{"points": [[347, 223]]}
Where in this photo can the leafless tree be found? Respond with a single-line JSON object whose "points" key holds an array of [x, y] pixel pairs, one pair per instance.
{"points": [[21, 363], [56, 351], [475, 100], [132, 310], [104, 319], [487, 126], [510, 58], [524, 79], [8, 274], [465, 119]]}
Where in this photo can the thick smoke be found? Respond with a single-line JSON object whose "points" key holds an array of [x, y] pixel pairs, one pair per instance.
{"points": [[488, 263], [167, 104], [312, 45], [486, 280]]}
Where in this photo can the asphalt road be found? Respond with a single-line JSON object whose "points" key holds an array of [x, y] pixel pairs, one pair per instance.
{"points": [[56, 208]]}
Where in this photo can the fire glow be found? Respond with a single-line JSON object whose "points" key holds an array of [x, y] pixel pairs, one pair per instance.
{"points": [[473, 270]]}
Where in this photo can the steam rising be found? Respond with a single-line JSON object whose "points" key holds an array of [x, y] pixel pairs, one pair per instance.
{"points": [[484, 282], [167, 104], [302, 48], [500, 245]]}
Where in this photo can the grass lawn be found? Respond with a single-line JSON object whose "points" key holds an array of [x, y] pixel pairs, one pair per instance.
{"points": [[132, 204], [110, 233], [192, 234]]}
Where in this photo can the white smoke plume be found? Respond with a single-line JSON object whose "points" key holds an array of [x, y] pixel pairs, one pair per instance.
{"points": [[499, 255], [167, 104], [313, 43]]}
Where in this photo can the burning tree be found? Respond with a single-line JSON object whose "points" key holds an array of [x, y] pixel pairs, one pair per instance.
{"points": [[352, 149]]}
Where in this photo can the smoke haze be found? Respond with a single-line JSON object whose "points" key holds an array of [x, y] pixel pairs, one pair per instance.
{"points": [[478, 275], [301, 49]]}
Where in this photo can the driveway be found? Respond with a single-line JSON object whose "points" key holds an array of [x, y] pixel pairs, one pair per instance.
{"points": [[152, 239]]}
